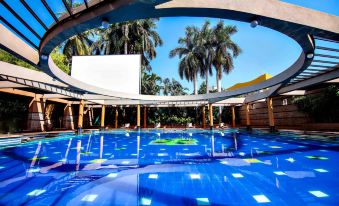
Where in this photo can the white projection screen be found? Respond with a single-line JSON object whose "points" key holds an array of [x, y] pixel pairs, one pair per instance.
{"points": [[119, 73]]}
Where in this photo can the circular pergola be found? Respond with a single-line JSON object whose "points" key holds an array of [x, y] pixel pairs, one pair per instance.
{"points": [[300, 24]]}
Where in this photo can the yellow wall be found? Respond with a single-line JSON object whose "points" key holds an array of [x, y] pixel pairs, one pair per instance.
{"points": [[249, 83]]}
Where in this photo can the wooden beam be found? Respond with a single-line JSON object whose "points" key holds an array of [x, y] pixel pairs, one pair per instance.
{"points": [[270, 114], [210, 110], [18, 92], [116, 118], [81, 114], [138, 116], [102, 119], [233, 116], [59, 101], [248, 121]]}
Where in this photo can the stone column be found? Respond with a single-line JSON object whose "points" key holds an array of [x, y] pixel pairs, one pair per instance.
{"points": [[270, 114], [68, 121], [36, 120], [145, 117], [102, 119], [138, 117], [210, 110], [81, 114]]}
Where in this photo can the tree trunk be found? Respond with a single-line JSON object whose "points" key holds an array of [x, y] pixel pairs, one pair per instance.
{"points": [[207, 90], [126, 36], [219, 90], [195, 82]]}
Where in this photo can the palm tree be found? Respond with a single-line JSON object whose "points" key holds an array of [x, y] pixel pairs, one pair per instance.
{"points": [[206, 49], [150, 84], [190, 64], [173, 88], [132, 37], [225, 51], [77, 45]]}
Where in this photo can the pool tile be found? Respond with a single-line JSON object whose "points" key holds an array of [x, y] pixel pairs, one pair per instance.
{"points": [[89, 198], [279, 173], [36, 192], [252, 160], [153, 176], [321, 170], [34, 170], [318, 193], [261, 198], [237, 175], [145, 201], [195, 176], [112, 175], [242, 153], [202, 201], [290, 159]]}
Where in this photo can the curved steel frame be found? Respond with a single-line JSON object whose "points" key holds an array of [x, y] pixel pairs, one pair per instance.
{"points": [[288, 19]]}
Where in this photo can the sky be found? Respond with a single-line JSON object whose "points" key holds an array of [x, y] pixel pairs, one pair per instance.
{"points": [[264, 50]]}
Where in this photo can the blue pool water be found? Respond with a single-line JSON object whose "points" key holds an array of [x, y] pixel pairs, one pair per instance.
{"points": [[123, 168]]}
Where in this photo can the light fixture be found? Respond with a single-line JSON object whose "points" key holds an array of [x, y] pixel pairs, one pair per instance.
{"points": [[105, 23], [310, 55], [254, 23], [44, 57]]}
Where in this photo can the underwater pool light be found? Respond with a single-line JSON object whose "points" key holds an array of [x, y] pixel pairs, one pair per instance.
{"points": [[318, 193], [261, 198], [89, 198]]}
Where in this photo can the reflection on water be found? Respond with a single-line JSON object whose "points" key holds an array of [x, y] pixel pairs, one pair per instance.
{"points": [[123, 168]]}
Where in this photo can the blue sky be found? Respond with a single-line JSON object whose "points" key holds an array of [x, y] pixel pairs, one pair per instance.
{"points": [[264, 50]]}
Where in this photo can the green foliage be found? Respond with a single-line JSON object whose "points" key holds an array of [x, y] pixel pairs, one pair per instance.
{"points": [[61, 61], [150, 84], [131, 37], [202, 88], [175, 116], [204, 48], [9, 58], [321, 107], [12, 107], [173, 88]]}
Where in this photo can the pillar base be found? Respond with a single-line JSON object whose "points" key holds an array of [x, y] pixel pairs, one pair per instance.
{"points": [[138, 128], [211, 127], [79, 131], [249, 128], [102, 128], [273, 129]]}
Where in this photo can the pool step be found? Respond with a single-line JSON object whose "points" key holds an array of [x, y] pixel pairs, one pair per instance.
{"points": [[9, 141]]}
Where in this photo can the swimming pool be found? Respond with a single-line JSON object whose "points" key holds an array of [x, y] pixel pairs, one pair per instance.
{"points": [[163, 167]]}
